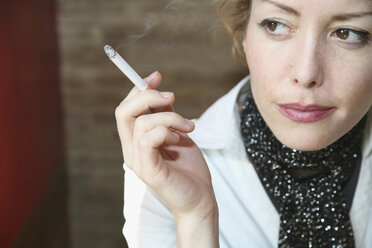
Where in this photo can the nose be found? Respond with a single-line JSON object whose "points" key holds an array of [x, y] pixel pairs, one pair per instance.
{"points": [[307, 68]]}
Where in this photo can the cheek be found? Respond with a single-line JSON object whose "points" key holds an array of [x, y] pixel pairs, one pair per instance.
{"points": [[267, 63], [358, 99], [353, 86], [256, 54]]}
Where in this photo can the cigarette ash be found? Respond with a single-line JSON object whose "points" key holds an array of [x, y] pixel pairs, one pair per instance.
{"points": [[110, 51]]}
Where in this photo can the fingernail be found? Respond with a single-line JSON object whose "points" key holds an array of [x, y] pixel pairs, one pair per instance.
{"points": [[166, 94], [175, 134], [190, 123], [152, 76]]}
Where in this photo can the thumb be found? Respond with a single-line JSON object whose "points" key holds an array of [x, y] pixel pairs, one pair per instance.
{"points": [[154, 80]]}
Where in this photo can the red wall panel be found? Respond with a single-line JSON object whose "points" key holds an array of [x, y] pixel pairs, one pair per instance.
{"points": [[31, 144]]}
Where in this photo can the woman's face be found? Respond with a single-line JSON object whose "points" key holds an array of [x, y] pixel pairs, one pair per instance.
{"points": [[311, 67]]}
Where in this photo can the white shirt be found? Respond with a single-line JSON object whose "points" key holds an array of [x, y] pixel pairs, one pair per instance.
{"points": [[247, 217]]}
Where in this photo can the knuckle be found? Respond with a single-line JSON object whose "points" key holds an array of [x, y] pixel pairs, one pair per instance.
{"points": [[141, 123], [123, 113], [152, 138], [168, 115], [119, 112], [171, 116], [176, 115], [143, 143], [162, 130]]}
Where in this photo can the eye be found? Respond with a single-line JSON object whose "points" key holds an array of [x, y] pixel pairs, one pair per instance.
{"points": [[275, 30], [351, 38], [343, 34], [272, 26]]}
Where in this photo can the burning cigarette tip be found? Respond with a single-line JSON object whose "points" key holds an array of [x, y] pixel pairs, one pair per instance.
{"points": [[125, 68], [110, 51]]}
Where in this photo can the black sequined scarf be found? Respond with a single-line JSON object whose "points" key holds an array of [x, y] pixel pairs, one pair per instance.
{"points": [[306, 185]]}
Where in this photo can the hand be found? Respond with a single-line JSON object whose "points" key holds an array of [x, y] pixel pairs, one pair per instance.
{"points": [[157, 148]]}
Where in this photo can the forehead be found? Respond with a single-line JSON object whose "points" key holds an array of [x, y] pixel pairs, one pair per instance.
{"points": [[317, 6]]}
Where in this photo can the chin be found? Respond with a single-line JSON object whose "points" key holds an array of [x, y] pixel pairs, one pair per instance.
{"points": [[306, 142]]}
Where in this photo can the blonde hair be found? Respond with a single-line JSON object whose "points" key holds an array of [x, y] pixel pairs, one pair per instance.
{"points": [[235, 15]]}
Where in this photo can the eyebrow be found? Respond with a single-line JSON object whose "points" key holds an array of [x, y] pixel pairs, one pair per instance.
{"points": [[345, 17], [284, 7], [341, 17]]}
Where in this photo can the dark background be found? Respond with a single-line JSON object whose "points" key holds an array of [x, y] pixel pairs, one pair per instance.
{"points": [[71, 89]]}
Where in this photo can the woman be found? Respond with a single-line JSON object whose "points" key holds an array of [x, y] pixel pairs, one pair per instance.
{"points": [[284, 159]]}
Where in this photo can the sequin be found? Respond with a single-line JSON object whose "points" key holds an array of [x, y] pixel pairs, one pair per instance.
{"points": [[307, 186]]}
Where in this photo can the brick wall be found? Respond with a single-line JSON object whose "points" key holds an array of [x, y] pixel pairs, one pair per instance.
{"points": [[182, 39]]}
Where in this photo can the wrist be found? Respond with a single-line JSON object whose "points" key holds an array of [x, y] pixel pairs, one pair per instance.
{"points": [[198, 229]]}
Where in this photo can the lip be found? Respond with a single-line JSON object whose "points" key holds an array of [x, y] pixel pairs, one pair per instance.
{"points": [[304, 113]]}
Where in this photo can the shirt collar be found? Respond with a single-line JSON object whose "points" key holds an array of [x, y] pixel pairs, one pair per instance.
{"points": [[219, 126], [367, 144]]}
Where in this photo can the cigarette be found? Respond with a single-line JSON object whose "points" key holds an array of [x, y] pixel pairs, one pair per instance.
{"points": [[125, 68]]}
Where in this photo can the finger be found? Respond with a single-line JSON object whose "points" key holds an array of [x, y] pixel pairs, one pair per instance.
{"points": [[134, 91], [141, 103], [152, 80], [154, 83], [171, 120], [168, 108], [150, 162], [157, 137], [127, 112]]}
